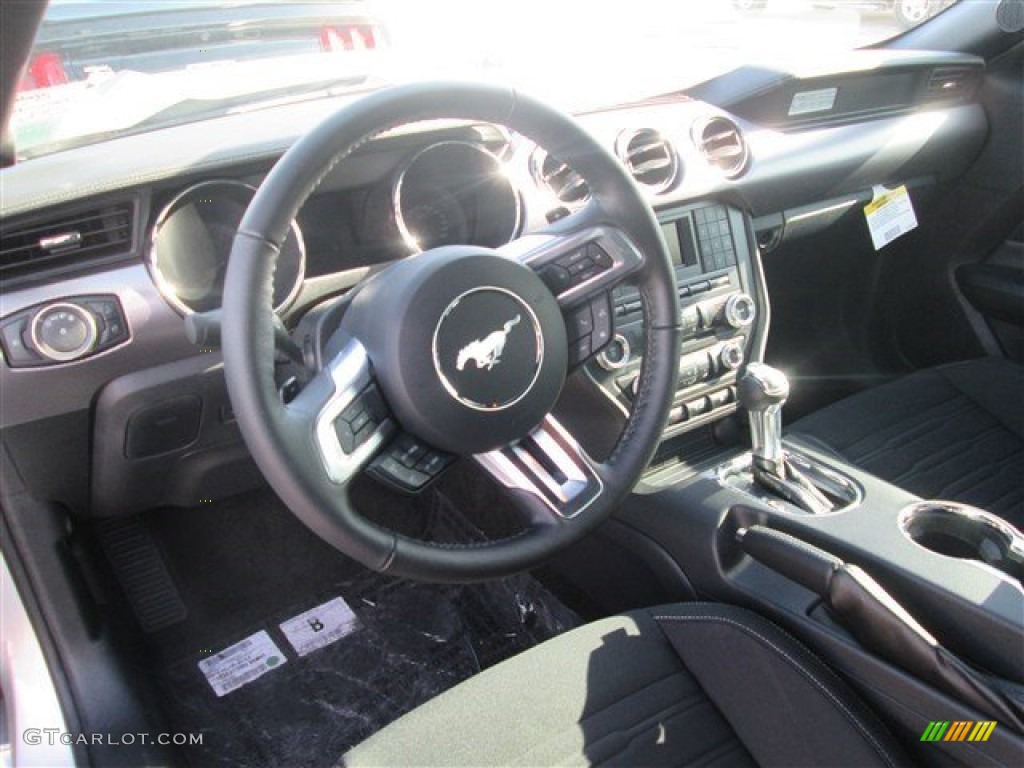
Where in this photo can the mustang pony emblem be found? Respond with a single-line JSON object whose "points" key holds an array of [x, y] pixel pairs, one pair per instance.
{"points": [[486, 352]]}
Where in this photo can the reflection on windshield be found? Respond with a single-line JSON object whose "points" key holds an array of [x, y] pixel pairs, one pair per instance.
{"points": [[101, 68]]}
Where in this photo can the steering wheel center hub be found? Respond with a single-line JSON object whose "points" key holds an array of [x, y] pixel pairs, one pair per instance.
{"points": [[468, 346], [488, 349]]}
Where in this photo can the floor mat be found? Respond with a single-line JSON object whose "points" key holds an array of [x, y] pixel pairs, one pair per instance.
{"points": [[412, 642]]}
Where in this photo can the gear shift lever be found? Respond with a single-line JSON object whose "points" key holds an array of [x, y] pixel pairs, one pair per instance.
{"points": [[762, 391]]}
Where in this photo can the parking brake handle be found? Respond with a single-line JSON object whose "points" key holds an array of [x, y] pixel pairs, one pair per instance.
{"points": [[877, 621]]}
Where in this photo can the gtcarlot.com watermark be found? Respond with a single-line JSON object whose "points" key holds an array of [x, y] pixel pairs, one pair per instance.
{"points": [[53, 736]]}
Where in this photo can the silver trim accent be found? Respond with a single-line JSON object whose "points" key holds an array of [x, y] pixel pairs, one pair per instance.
{"points": [[741, 466], [436, 357], [350, 373], [651, 139], [53, 354], [61, 241], [30, 696], [732, 311], [155, 334], [731, 354], [736, 167], [517, 468], [396, 193], [766, 423], [1008, 539], [151, 257], [627, 354], [576, 182]]}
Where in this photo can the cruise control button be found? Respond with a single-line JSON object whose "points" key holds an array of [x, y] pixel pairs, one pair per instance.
{"points": [[601, 310], [581, 323], [357, 420], [580, 350], [390, 470], [599, 256], [574, 257], [374, 404], [407, 451], [346, 435], [556, 278], [581, 266], [432, 463]]}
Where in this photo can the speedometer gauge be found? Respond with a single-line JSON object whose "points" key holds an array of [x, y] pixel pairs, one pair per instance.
{"points": [[433, 217], [188, 255], [455, 192]]}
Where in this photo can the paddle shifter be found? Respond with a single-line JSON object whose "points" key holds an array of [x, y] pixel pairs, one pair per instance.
{"points": [[762, 391]]}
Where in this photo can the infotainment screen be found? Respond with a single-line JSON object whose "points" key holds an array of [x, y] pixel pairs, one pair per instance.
{"points": [[679, 237]]}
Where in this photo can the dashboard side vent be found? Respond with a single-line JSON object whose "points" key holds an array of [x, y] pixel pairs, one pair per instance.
{"points": [[564, 183], [722, 143], [949, 82], [89, 235], [649, 157]]}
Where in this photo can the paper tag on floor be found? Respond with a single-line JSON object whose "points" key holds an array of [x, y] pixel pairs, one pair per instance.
{"points": [[320, 626], [242, 663], [889, 215]]}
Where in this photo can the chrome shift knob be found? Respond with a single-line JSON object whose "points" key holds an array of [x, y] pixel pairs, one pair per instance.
{"points": [[762, 391]]}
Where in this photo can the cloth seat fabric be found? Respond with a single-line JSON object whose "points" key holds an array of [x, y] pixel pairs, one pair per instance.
{"points": [[955, 432], [693, 684]]}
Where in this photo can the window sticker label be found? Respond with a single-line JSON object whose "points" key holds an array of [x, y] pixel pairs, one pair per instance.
{"points": [[242, 663], [889, 215], [320, 626], [808, 102]]}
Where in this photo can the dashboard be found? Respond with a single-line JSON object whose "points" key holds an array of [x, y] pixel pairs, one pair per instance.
{"points": [[105, 249]]}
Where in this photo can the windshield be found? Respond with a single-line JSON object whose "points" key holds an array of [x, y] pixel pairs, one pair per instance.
{"points": [[101, 68]]}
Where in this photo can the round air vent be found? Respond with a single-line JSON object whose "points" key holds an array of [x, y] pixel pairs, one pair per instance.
{"points": [[649, 157], [722, 143], [565, 184]]}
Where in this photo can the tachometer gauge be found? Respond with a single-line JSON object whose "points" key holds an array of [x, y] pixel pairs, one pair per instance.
{"points": [[188, 254]]}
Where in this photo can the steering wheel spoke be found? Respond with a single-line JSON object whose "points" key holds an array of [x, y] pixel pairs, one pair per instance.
{"points": [[549, 466], [354, 423], [408, 464]]}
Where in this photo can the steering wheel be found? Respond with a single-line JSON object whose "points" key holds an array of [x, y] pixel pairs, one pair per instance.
{"points": [[461, 347]]}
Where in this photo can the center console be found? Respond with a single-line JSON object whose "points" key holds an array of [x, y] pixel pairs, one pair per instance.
{"points": [[723, 316], [918, 603]]}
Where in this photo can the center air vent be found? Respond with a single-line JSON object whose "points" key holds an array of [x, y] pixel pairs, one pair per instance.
{"points": [[649, 157], [75, 239], [722, 143], [564, 183]]}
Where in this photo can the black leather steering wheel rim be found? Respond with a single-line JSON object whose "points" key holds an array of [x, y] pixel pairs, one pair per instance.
{"points": [[279, 437]]}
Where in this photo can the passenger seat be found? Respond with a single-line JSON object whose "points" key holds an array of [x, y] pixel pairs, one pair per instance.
{"points": [[955, 432]]}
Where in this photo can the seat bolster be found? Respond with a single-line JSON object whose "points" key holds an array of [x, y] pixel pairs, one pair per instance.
{"points": [[785, 705]]}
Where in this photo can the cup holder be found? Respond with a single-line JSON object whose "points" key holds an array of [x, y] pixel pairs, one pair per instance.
{"points": [[967, 533]]}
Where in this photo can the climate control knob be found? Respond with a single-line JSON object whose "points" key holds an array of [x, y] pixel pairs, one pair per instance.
{"points": [[740, 310], [63, 332], [731, 356]]}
